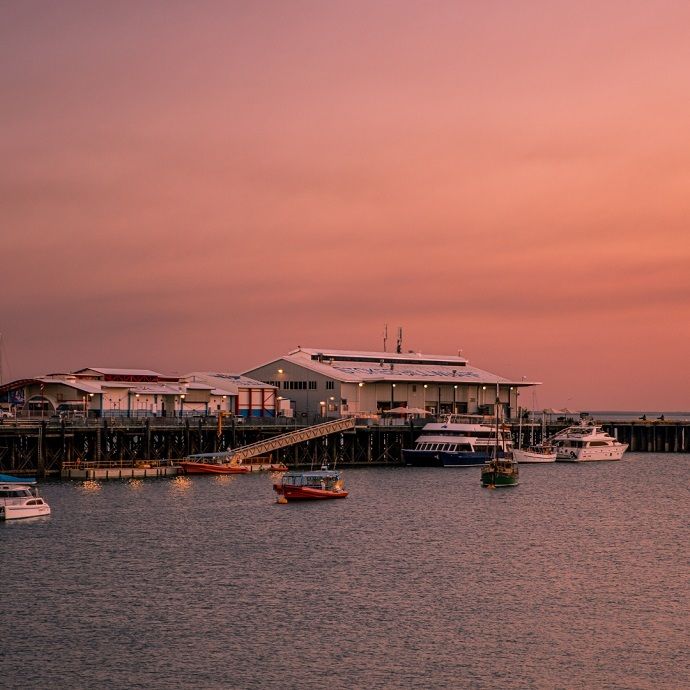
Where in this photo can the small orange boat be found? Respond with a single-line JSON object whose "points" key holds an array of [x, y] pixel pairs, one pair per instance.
{"points": [[310, 485]]}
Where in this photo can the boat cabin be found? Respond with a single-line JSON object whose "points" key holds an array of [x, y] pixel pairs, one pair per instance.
{"points": [[322, 479]]}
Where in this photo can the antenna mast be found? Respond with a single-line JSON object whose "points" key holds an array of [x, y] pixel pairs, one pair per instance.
{"points": [[398, 346], [385, 336]]}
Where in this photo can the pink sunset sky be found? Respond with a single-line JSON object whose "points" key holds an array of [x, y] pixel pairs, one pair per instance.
{"points": [[195, 186]]}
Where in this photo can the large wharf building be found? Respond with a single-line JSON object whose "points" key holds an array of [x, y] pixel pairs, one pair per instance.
{"points": [[334, 383]]}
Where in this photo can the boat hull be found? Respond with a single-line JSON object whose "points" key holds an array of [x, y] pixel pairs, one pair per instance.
{"points": [[591, 454], [421, 458], [529, 456], [203, 468], [307, 493], [440, 458], [501, 473], [17, 512]]}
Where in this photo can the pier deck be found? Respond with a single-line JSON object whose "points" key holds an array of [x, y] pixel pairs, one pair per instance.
{"points": [[45, 448]]}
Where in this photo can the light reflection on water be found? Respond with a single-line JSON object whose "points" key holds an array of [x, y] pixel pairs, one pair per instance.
{"points": [[89, 485], [420, 579]]}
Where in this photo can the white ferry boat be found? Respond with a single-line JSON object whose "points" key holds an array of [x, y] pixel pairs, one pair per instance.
{"points": [[19, 499], [587, 442], [458, 441]]}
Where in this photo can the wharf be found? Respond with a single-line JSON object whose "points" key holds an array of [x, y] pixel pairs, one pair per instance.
{"points": [[138, 470], [45, 448]]}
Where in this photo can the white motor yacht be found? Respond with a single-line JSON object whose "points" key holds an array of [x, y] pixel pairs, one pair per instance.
{"points": [[587, 441], [19, 499]]}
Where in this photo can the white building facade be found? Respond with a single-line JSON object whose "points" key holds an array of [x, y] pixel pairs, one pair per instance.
{"points": [[334, 383]]}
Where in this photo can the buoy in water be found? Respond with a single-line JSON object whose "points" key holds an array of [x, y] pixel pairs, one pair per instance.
{"points": [[281, 499]]}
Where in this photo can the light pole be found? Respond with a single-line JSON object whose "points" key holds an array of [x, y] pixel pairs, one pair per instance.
{"points": [[136, 404], [455, 395], [182, 396]]}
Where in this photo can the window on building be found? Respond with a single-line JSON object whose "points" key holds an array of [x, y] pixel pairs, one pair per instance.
{"points": [[312, 385], [330, 385]]}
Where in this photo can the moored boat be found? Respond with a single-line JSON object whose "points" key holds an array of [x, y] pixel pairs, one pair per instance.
{"points": [[501, 472], [19, 499], [458, 441], [543, 453], [587, 442], [502, 469], [320, 484], [223, 463]]}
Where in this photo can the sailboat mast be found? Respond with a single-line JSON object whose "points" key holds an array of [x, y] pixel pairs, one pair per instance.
{"points": [[498, 400]]}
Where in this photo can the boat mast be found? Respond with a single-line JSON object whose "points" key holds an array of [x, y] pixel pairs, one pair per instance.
{"points": [[498, 400]]}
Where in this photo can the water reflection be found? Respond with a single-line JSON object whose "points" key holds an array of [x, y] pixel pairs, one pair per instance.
{"points": [[90, 486], [223, 479], [136, 484], [181, 484]]}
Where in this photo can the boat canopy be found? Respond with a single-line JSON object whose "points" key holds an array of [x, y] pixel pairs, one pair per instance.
{"points": [[8, 479], [316, 474]]}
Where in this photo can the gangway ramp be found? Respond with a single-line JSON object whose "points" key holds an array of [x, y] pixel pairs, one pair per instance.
{"points": [[284, 440]]}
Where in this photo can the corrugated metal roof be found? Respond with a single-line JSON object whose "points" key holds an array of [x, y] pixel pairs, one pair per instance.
{"points": [[119, 372], [445, 370], [230, 384], [351, 355]]}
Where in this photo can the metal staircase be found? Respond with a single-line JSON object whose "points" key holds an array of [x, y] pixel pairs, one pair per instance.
{"points": [[317, 431]]}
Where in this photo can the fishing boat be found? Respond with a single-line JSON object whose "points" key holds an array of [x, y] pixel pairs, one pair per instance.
{"points": [[458, 441], [502, 469], [319, 484], [587, 441], [19, 499]]}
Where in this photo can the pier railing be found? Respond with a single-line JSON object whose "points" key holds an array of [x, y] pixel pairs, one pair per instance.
{"points": [[291, 438]]}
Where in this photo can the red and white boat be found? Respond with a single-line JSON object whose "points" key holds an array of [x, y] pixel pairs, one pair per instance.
{"points": [[320, 484]]}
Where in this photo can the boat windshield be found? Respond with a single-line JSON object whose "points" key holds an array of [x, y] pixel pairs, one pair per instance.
{"points": [[319, 480]]}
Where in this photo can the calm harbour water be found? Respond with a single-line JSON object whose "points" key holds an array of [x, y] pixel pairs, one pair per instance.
{"points": [[578, 578]]}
